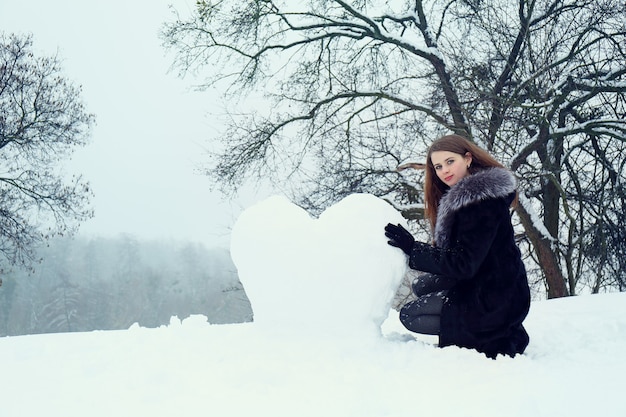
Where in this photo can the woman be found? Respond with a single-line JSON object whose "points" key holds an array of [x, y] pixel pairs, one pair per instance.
{"points": [[475, 292]]}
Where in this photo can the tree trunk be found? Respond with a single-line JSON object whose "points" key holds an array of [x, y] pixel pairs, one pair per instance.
{"points": [[547, 258]]}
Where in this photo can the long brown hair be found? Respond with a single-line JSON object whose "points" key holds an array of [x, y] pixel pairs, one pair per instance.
{"points": [[434, 188]]}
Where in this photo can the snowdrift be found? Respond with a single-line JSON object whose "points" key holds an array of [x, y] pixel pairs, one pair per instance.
{"points": [[574, 366]]}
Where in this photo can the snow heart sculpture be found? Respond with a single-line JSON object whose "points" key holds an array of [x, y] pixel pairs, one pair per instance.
{"points": [[334, 274]]}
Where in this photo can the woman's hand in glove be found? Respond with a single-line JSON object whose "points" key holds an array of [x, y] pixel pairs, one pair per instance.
{"points": [[399, 237]]}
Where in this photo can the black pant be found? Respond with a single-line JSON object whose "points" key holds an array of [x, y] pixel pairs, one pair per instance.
{"points": [[423, 315]]}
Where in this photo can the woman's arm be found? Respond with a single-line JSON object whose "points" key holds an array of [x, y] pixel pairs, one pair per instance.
{"points": [[473, 232]]}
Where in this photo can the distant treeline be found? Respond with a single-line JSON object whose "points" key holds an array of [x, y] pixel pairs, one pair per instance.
{"points": [[110, 283]]}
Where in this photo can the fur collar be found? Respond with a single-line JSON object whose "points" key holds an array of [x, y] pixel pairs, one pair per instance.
{"points": [[483, 185]]}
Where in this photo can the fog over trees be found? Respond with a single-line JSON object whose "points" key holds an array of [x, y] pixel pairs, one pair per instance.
{"points": [[88, 283], [110, 283]]}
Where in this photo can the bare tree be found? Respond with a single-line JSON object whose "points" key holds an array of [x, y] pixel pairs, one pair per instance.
{"points": [[42, 119], [359, 87]]}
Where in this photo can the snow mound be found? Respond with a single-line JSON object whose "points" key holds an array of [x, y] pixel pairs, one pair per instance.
{"points": [[301, 273], [574, 367]]}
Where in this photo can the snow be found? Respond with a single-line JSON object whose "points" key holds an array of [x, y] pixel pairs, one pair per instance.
{"points": [[319, 289], [300, 272], [536, 220]]}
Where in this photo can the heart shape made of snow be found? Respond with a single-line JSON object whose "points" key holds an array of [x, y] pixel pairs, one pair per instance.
{"points": [[332, 274]]}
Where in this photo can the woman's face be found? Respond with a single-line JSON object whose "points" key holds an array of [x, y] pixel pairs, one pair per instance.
{"points": [[450, 167]]}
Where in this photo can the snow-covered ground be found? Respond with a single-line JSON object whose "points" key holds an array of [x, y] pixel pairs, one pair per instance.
{"points": [[293, 362]]}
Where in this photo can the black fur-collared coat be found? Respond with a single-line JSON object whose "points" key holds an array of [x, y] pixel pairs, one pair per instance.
{"points": [[474, 244]]}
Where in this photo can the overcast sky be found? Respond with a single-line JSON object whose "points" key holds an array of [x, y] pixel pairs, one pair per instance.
{"points": [[151, 127]]}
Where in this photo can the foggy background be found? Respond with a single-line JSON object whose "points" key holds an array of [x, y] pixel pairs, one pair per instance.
{"points": [[158, 243]]}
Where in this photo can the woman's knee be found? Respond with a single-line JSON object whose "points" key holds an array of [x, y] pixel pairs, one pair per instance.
{"points": [[420, 323], [428, 283]]}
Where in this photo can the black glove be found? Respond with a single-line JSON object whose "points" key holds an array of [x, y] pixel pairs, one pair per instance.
{"points": [[399, 237]]}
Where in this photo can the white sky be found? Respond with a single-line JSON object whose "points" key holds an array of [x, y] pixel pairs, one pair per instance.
{"points": [[151, 127]]}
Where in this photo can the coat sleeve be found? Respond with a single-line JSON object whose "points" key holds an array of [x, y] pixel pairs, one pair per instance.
{"points": [[473, 232]]}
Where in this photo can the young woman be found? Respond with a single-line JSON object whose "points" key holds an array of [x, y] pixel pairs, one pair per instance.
{"points": [[474, 292]]}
